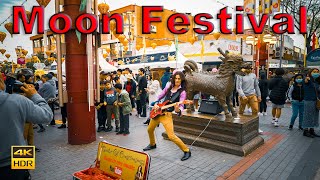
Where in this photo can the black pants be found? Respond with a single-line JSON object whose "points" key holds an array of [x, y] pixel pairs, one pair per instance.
{"points": [[263, 104], [132, 102], [52, 109], [143, 102], [102, 116], [124, 122], [139, 109], [64, 113], [13, 174], [235, 99]]}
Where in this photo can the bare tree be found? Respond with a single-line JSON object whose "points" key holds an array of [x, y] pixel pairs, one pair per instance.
{"points": [[313, 12]]}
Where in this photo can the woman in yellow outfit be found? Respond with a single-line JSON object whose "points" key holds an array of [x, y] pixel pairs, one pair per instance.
{"points": [[175, 92]]}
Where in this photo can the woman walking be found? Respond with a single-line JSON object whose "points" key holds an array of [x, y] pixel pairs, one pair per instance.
{"points": [[296, 96], [279, 88], [311, 113]]}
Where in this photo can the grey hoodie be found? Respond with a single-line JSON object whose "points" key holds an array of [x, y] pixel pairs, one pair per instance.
{"points": [[15, 110], [48, 90]]}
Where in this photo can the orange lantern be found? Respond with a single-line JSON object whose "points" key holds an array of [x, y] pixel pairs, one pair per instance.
{"points": [[8, 56], [3, 36], [121, 37], [216, 35], [9, 27], [138, 47], [125, 48], [125, 42], [3, 51], [103, 8], [43, 2], [48, 53], [154, 45], [24, 52], [192, 40], [116, 35], [62, 59], [108, 50], [105, 56]]}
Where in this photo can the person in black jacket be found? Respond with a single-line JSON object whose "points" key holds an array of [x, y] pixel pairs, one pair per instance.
{"points": [[296, 96], [143, 84], [264, 89], [101, 108], [278, 87]]}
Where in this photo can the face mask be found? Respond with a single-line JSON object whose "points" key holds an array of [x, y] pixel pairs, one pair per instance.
{"points": [[315, 75], [299, 80]]}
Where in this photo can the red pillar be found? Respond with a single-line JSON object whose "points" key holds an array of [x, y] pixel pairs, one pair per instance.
{"points": [[81, 121]]}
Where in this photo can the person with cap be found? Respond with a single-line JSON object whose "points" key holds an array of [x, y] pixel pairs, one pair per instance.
{"points": [[48, 92], [131, 87]]}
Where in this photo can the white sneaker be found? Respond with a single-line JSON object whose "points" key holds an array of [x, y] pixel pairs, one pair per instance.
{"points": [[260, 114], [276, 124], [265, 114], [260, 131], [250, 110], [273, 120]]}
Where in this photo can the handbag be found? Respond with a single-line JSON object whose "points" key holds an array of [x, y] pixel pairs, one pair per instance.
{"points": [[318, 100]]}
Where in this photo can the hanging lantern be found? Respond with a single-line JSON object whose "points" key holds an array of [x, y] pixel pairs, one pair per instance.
{"points": [[154, 45], [3, 51], [9, 27], [121, 38], [113, 25], [62, 59], [116, 35], [138, 47], [216, 35], [48, 53], [3, 36], [43, 2], [103, 8], [28, 13], [105, 56], [8, 56], [108, 50], [125, 48], [125, 42], [24, 52], [192, 40]]}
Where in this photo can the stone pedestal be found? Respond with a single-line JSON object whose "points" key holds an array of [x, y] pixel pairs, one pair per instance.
{"points": [[238, 137]]}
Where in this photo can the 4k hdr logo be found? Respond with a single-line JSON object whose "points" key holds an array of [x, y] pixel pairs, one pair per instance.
{"points": [[23, 157]]}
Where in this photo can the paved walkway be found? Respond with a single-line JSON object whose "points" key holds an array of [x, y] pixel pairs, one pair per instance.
{"points": [[282, 154]]}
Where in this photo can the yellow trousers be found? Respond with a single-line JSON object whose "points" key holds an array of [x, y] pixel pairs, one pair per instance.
{"points": [[167, 122], [252, 101], [28, 133]]}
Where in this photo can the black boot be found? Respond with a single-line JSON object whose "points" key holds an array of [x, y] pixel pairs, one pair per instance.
{"points": [[149, 147], [313, 133], [117, 128], [147, 122], [62, 126], [186, 156], [290, 127], [300, 127], [306, 133]]}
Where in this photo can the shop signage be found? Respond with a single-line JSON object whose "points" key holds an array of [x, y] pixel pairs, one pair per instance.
{"points": [[149, 58], [313, 58]]}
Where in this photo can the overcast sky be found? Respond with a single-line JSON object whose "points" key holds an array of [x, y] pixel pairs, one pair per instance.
{"points": [[184, 6]]}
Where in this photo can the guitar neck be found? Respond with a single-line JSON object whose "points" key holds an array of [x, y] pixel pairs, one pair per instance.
{"points": [[169, 106]]}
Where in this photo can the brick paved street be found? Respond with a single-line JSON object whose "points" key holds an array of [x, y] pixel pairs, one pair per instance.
{"points": [[59, 160]]}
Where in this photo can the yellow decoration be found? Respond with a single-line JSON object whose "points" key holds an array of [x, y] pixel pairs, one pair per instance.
{"points": [[113, 25], [43, 2], [154, 45], [120, 62], [125, 48], [9, 27], [63, 59], [24, 52], [3, 36], [216, 35], [8, 56], [103, 8], [125, 42], [39, 72], [105, 56], [121, 37], [3, 51], [108, 50], [35, 59], [48, 53], [192, 40], [138, 47]]}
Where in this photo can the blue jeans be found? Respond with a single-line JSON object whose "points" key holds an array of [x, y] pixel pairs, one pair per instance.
{"points": [[297, 109]]}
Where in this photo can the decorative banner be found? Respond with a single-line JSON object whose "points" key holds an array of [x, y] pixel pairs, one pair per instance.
{"points": [[149, 58], [313, 58], [78, 34], [249, 6], [122, 163], [83, 5]]}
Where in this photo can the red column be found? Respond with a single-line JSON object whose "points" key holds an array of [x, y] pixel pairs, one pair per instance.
{"points": [[81, 121]]}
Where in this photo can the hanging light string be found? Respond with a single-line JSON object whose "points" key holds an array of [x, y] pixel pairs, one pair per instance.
{"points": [[11, 15]]}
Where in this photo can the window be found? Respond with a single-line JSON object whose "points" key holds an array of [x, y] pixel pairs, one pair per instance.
{"points": [[36, 43]]}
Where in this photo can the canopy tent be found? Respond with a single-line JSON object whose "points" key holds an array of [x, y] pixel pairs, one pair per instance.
{"points": [[104, 65]]}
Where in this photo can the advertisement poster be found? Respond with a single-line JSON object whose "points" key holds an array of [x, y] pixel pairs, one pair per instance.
{"points": [[122, 163]]}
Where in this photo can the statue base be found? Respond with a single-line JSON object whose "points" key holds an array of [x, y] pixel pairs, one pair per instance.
{"points": [[235, 136]]}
